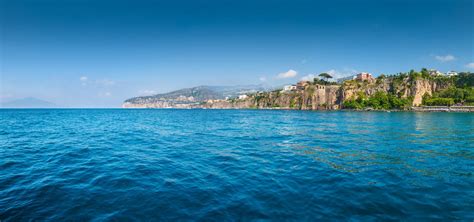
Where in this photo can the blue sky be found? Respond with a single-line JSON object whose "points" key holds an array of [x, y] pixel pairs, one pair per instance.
{"points": [[84, 53]]}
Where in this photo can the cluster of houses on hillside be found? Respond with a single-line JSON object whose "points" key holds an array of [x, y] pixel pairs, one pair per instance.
{"points": [[434, 72], [299, 86], [363, 76]]}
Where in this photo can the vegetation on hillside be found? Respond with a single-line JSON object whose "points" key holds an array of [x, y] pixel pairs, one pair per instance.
{"points": [[462, 92], [379, 101], [386, 92], [323, 82], [325, 76]]}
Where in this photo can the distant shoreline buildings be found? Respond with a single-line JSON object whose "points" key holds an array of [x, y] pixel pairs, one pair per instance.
{"points": [[434, 72]]}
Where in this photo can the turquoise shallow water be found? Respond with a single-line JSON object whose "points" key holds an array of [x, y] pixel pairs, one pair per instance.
{"points": [[114, 164]]}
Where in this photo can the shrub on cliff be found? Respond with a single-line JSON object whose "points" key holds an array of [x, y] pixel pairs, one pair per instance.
{"points": [[457, 95], [352, 104], [378, 101], [439, 102], [464, 80], [399, 103]]}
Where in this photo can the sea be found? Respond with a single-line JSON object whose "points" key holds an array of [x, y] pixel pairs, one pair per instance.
{"points": [[235, 165]]}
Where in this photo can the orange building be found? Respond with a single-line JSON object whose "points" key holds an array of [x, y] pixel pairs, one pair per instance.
{"points": [[364, 76]]}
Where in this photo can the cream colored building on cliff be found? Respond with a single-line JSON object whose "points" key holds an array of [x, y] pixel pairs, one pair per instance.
{"points": [[243, 96], [288, 88], [451, 73]]}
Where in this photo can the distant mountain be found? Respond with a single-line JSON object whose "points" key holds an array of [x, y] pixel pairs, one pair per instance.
{"points": [[199, 93], [28, 102], [235, 91], [187, 96]]}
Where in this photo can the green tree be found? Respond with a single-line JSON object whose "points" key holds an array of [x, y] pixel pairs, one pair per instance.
{"points": [[325, 76], [465, 79], [439, 102], [352, 104], [425, 73]]}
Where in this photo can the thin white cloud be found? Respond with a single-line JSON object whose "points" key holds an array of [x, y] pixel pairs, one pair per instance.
{"points": [[98, 83], [105, 82], [470, 65], [105, 94], [336, 74], [288, 74], [146, 92], [309, 77], [446, 58], [262, 79], [83, 80]]}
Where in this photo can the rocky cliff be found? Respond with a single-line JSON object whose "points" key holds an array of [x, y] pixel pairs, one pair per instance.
{"points": [[312, 95], [402, 86], [330, 97]]}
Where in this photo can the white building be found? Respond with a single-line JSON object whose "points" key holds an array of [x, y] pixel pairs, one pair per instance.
{"points": [[243, 96], [289, 87], [434, 72], [452, 73]]}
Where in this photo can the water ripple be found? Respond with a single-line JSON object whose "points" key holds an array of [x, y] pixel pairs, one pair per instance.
{"points": [[215, 165]]}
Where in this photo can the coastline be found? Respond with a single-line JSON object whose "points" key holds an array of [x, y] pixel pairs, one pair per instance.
{"points": [[412, 91], [456, 109], [443, 109]]}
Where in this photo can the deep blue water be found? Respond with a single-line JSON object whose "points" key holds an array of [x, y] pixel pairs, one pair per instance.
{"points": [[114, 164]]}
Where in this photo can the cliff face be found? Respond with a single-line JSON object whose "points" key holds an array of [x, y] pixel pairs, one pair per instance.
{"points": [[402, 87], [317, 97], [352, 89], [329, 97], [422, 87], [310, 97]]}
